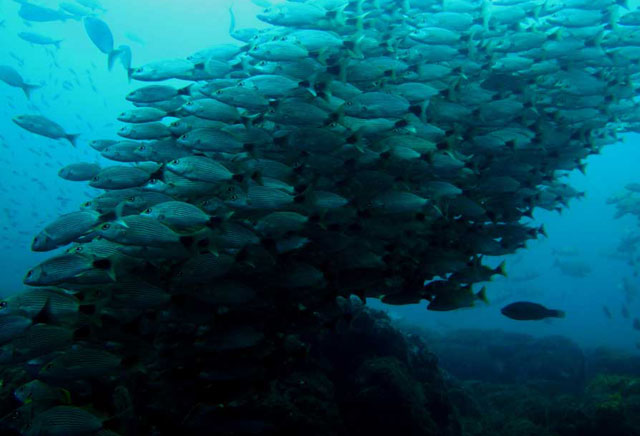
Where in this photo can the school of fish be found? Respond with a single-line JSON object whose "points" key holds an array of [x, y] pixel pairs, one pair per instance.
{"points": [[377, 148]]}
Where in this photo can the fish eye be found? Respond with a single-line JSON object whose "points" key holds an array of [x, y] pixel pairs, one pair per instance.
{"points": [[349, 103], [175, 162], [234, 197], [219, 91], [105, 226], [142, 148], [79, 249], [30, 273], [95, 178], [49, 365], [86, 204], [148, 211], [3, 304]]}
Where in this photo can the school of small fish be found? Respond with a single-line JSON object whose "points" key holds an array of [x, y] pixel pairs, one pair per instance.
{"points": [[376, 148]]}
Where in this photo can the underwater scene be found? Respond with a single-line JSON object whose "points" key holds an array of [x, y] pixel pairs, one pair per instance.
{"points": [[320, 217]]}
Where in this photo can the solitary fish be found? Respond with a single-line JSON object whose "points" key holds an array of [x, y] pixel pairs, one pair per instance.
{"points": [[526, 311], [44, 127], [12, 78]]}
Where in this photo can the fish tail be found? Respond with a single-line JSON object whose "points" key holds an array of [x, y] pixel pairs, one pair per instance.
{"points": [[482, 295], [111, 58], [557, 313], [106, 265], [502, 268], [72, 138], [27, 90], [57, 43]]}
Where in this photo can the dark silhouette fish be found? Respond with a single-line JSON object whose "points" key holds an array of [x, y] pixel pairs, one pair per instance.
{"points": [[526, 311]]}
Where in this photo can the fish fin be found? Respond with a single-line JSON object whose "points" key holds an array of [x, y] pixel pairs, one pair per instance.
{"points": [[107, 265], [72, 138], [502, 268], [185, 90], [44, 316], [482, 295], [542, 231], [353, 46], [66, 396], [338, 15], [118, 212], [27, 90], [111, 58]]}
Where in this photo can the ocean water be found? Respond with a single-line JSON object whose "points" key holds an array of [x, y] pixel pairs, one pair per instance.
{"points": [[79, 92]]}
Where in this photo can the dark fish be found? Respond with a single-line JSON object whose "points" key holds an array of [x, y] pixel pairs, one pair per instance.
{"points": [[526, 311]]}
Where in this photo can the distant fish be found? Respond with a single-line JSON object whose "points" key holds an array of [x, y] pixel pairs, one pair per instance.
{"points": [[92, 4], [12, 78], [101, 36], [232, 21], [75, 10], [525, 276], [573, 268], [44, 127], [526, 311], [262, 3], [607, 312], [31, 12], [36, 38], [624, 311], [565, 251], [134, 38]]}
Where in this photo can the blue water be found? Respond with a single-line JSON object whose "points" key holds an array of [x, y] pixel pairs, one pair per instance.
{"points": [[80, 93]]}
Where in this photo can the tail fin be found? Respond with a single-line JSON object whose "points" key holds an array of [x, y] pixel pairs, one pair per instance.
{"points": [[482, 295], [111, 58], [557, 313], [502, 268], [28, 88], [57, 43], [72, 138]]}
